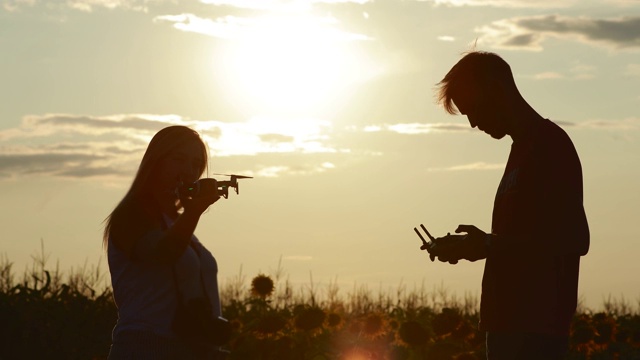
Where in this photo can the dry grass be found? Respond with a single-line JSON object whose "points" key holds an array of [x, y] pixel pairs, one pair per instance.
{"points": [[46, 311]]}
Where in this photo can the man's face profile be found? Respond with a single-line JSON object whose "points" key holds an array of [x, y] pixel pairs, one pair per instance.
{"points": [[483, 111]]}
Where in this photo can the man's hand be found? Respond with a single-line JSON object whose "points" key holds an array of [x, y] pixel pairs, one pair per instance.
{"points": [[475, 242], [452, 248], [447, 248]]}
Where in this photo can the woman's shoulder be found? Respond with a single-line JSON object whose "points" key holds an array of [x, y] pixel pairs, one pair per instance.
{"points": [[135, 208], [131, 220]]}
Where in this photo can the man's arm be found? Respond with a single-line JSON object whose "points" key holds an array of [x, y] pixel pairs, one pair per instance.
{"points": [[472, 246]]}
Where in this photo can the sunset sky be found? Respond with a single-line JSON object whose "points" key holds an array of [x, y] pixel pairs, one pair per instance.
{"points": [[330, 105]]}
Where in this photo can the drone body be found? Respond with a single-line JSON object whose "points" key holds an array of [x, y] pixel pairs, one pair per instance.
{"points": [[223, 186], [205, 185]]}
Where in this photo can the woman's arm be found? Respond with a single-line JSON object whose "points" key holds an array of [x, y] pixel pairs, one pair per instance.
{"points": [[145, 239], [165, 246]]}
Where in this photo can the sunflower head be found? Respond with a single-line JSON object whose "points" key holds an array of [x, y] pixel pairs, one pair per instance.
{"points": [[310, 318], [262, 286], [447, 321], [334, 320], [374, 325], [270, 325], [413, 333]]}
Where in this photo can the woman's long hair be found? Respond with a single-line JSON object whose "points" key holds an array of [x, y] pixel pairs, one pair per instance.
{"points": [[138, 207]]}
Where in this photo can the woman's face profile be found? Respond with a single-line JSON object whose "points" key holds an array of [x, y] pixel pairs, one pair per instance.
{"points": [[184, 163]]}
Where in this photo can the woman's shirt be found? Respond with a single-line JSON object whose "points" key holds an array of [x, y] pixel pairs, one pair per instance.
{"points": [[146, 294]]}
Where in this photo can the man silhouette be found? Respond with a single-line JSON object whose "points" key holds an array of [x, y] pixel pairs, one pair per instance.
{"points": [[539, 227]]}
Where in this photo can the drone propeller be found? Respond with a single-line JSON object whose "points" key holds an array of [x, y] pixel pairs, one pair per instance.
{"points": [[237, 176]]}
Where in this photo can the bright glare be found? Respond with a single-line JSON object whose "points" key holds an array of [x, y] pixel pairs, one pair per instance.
{"points": [[293, 63], [355, 354]]}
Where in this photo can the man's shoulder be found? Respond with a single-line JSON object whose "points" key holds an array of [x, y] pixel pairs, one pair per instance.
{"points": [[552, 132], [554, 126], [555, 144]]}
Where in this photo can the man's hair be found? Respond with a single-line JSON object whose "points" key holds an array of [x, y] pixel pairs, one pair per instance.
{"points": [[475, 71]]}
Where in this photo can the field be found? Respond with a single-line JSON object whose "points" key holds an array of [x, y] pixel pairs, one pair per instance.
{"points": [[48, 314]]}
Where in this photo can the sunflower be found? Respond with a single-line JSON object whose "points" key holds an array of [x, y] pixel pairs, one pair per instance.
{"points": [[236, 325], [310, 318], [413, 333], [270, 325], [374, 325], [447, 321], [262, 286], [582, 331], [606, 328], [334, 320]]}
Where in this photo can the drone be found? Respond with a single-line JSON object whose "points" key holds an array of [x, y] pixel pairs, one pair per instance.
{"points": [[223, 186]]}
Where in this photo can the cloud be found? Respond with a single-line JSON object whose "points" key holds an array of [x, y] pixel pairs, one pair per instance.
{"points": [[546, 4], [276, 171], [529, 33], [277, 4], [91, 171], [622, 3], [224, 27], [82, 146], [300, 27], [80, 5], [15, 5], [471, 167], [41, 163], [633, 70], [258, 135], [145, 5], [90, 5], [106, 123], [416, 128], [619, 125], [110, 147], [298, 257], [582, 72], [548, 75], [247, 4], [134, 127], [577, 72], [276, 138], [622, 124], [626, 124], [446, 38]]}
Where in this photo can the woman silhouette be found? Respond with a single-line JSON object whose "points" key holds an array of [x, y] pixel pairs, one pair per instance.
{"points": [[164, 280]]}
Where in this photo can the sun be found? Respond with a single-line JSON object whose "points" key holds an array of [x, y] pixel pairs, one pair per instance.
{"points": [[292, 64]]}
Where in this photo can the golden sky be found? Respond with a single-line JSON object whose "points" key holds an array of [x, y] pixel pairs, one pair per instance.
{"points": [[329, 104]]}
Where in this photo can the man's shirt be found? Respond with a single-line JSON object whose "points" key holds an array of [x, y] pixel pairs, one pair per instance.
{"points": [[540, 230]]}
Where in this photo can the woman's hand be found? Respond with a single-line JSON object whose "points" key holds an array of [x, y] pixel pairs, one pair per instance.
{"points": [[200, 201]]}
